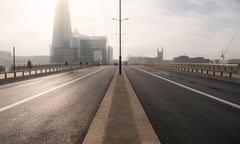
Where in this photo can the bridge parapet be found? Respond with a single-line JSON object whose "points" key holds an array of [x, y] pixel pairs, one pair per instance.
{"points": [[38, 70], [229, 72]]}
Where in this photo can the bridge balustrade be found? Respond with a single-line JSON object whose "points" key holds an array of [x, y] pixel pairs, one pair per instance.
{"points": [[224, 71], [38, 70]]}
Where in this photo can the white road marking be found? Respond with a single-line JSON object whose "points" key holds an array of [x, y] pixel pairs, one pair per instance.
{"points": [[45, 92], [192, 89], [34, 81]]}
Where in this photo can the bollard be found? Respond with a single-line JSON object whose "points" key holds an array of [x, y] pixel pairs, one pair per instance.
{"points": [[207, 72], [5, 75], [14, 73], [22, 73], [214, 72], [230, 74], [30, 72], [221, 73]]}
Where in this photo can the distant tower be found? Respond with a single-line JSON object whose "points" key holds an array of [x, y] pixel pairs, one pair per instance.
{"points": [[61, 49]]}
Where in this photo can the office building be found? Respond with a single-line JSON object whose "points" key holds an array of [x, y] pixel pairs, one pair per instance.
{"points": [[74, 47]]}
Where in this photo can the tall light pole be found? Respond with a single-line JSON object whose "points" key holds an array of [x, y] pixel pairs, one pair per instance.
{"points": [[14, 61], [120, 37]]}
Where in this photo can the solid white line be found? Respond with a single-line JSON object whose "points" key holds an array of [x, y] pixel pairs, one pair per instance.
{"points": [[45, 92], [191, 89]]}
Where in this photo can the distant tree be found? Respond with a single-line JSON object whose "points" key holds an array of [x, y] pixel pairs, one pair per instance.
{"points": [[29, 64]]}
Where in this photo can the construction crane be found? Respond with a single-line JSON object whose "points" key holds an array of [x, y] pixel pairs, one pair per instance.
{"points": [[223, 53]]}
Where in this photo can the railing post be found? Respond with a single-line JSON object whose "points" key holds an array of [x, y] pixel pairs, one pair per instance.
{"points": [[5, 75]]}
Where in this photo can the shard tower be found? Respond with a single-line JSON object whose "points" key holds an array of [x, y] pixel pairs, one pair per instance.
{"points": [[61, 49]]}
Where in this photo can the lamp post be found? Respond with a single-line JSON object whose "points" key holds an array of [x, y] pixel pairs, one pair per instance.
{"points": [[120, 35], [14, 61]]}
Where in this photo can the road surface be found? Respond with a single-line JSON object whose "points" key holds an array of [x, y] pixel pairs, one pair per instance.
{"points": [[186, 109], [52, 109]]}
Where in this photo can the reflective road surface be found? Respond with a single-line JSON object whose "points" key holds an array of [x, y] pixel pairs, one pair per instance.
{"points": [[52, 109], [181, 109]]}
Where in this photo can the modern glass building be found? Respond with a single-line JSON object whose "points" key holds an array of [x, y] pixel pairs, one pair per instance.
{"points": [[74, 47]]}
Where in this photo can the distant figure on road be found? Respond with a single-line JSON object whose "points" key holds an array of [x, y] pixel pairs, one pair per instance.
{"points": [[29, 64], [66, 63]]}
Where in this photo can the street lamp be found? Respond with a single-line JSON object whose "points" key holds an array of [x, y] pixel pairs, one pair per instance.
{"points": [[120, 35], [14, 60]]}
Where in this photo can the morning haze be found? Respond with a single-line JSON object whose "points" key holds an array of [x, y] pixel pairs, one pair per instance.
{"points": [[119, 71], [187, 27]]}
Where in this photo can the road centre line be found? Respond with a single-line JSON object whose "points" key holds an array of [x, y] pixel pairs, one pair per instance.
{"points": [[45, 92], [191, 89]]}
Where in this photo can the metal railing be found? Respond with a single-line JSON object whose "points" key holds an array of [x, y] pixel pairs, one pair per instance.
{"points": [[220, 71], [39, 70]]}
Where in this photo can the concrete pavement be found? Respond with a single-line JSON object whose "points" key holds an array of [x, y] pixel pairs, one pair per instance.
{"points": [[121, 118], [52, 109], [182, 113]]}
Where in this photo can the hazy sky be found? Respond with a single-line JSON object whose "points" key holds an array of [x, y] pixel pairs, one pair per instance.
{"points": [[181, 27]]}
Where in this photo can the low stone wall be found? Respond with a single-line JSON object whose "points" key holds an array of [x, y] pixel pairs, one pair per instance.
{"points": [[38, 71], [226, 72]]}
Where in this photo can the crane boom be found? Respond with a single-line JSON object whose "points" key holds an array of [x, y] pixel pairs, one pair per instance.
{"points": [[228, 46]]}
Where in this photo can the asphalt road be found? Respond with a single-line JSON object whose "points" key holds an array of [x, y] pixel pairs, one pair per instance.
{"points": [[52, 109], [183, 115]]}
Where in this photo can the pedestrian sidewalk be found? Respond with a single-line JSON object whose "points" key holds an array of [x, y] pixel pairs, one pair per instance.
{"points": [[120, 118]]}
